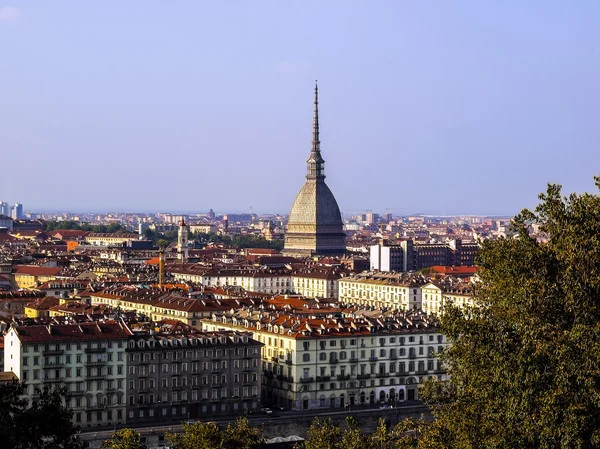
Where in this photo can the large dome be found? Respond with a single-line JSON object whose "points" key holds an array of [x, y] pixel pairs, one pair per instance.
{"points": [[315, 204]]}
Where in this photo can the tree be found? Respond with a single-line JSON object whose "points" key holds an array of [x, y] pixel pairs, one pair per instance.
{"points": [[323, 434], [198, 435], [46, 424], [124, 439], [524, 364], [241, 436], [353, 437]]}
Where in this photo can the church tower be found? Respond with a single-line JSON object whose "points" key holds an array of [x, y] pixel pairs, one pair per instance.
{"points": [[182, 242], [315, 224]]}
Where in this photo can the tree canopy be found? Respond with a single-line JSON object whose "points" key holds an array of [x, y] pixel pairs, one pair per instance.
{"points": [[76, 225], [524, 362], [124, 439], [45, 425], [207, 435]]}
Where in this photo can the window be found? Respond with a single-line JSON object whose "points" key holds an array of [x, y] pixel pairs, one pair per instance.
{"points": [[306, 357]]}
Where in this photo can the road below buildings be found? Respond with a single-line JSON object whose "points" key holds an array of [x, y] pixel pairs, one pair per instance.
{"points": [[282, 423]]}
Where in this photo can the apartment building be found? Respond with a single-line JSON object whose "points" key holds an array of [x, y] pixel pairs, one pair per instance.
{"points": [[176, 372], [119, 238], [439, 294], [316, 282], [398, 291], [158, 304], [408, 256], [87, 358], [325, 361], [119, 372]]}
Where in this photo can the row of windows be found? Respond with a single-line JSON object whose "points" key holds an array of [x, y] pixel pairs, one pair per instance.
{"points": [[69, 346], [176, 381], [306, 345], [67, 373], [343, 355], [195, 395]]}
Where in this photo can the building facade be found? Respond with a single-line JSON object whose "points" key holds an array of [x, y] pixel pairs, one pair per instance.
{"points": [[177, 376], [393, 290], [327, 362], [87, 358], [118, 373]]}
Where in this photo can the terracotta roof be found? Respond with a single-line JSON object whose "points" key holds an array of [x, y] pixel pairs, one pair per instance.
{"points": [[35, 270], [45, 303], [72, 332]]}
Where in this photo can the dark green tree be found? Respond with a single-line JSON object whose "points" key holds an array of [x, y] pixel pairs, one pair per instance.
{"points": [[242, 436], [323, 434], [124, 439], [47, 424], [198, 435], [525, 363]]}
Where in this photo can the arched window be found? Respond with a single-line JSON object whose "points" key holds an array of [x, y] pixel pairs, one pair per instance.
{"points": [[306, 357]]}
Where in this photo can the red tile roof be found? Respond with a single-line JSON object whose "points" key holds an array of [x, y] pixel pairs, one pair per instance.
{"points": [[35, 270], [72, 332]]}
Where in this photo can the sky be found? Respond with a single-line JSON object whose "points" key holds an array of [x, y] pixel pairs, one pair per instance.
{"points": [[462, 107]]}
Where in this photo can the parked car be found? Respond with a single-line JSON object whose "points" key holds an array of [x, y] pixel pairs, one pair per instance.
{"points": [[266, 410], [384, 407]]}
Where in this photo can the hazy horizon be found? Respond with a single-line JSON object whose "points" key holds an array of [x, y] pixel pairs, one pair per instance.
{"points": [[439, 108]]}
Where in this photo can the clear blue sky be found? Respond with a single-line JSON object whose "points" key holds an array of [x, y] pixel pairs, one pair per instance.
{"points": [[426, 106]]}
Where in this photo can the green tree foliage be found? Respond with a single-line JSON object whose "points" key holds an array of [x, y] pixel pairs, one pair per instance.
{"points": [[323, 434], [242, 436], [76, 225], [198, 435], [45, 425], [239, 240], [124, 439], [206, 435], [524, 363]]}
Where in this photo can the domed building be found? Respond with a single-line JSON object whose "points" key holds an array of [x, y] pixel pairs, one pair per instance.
{"points": [[315, 224]]}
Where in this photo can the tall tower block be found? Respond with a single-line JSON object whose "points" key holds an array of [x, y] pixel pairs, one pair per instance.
{"points": [[315, 224]]}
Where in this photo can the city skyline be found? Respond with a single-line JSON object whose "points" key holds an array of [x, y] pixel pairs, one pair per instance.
{"points": [[423, 108]]}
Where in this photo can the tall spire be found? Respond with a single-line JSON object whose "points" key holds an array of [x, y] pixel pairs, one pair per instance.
{"points": [[316, 145], [315, 164]]}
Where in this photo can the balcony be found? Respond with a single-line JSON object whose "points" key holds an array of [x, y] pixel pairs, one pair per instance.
{"points": [[333, 361], [393, 356], [343, 377], [306, 380], [288, 361], [412, 355], [353, 360], [53, 380], [323, 378], [76, 393], [54, 352], [274, 359], [96, 377], [422, 371], [95, 350], [383, 374], [53, 365], [96, 407], [373, 359], [363, 376], [95, 363]]}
